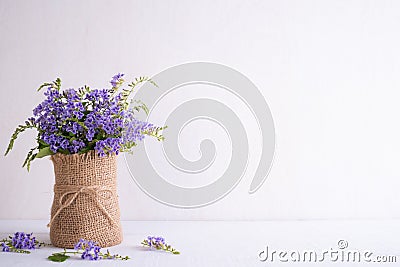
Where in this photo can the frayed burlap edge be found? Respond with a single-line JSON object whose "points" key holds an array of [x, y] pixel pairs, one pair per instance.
{"points": [[77, 158]]}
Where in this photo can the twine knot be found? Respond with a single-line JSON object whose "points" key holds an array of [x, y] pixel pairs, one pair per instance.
{"points": [[92, 190]]}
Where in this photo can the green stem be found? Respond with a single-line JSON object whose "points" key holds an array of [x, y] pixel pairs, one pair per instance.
{"points": [[165, 247]]}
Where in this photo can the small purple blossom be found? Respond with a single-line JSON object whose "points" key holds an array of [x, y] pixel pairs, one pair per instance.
{"points": [[158, 243], [91, 251], [154, 241], [116, 79], [23, 241], [5, 247], [110, 145], [20, 243]]}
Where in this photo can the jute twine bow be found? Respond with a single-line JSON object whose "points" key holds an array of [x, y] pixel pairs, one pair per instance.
{"points": [[92, 190]]}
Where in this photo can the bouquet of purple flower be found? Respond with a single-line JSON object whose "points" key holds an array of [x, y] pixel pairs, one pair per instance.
{"points": [[84, 119], [20, 243]]}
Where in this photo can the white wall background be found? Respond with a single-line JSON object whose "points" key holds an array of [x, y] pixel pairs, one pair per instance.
{"points": [[328, 69]]}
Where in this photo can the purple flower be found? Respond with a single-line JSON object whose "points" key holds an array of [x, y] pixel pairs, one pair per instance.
{"points": [[156, 242], [5, 247], [116, 79], [110, 145], [20, 240], [73, 121], [91, 251]]}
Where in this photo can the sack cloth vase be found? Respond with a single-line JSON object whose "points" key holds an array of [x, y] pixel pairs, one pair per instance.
{"points": [[85, 201]]}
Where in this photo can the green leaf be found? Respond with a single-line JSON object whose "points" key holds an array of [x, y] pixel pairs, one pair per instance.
{"points": [[44, 152], [58, 257], [28, 165], [140, 106], [44, 85], [55, 84], [31, 156], [42, 144], [85, 149], [63, 151], [14, 136]]}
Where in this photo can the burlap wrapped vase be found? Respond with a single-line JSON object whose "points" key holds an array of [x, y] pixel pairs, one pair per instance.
{"points": [[85, 201]]}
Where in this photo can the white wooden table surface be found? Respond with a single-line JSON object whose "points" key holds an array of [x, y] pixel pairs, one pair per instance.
{"points": [[223, 243]]}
